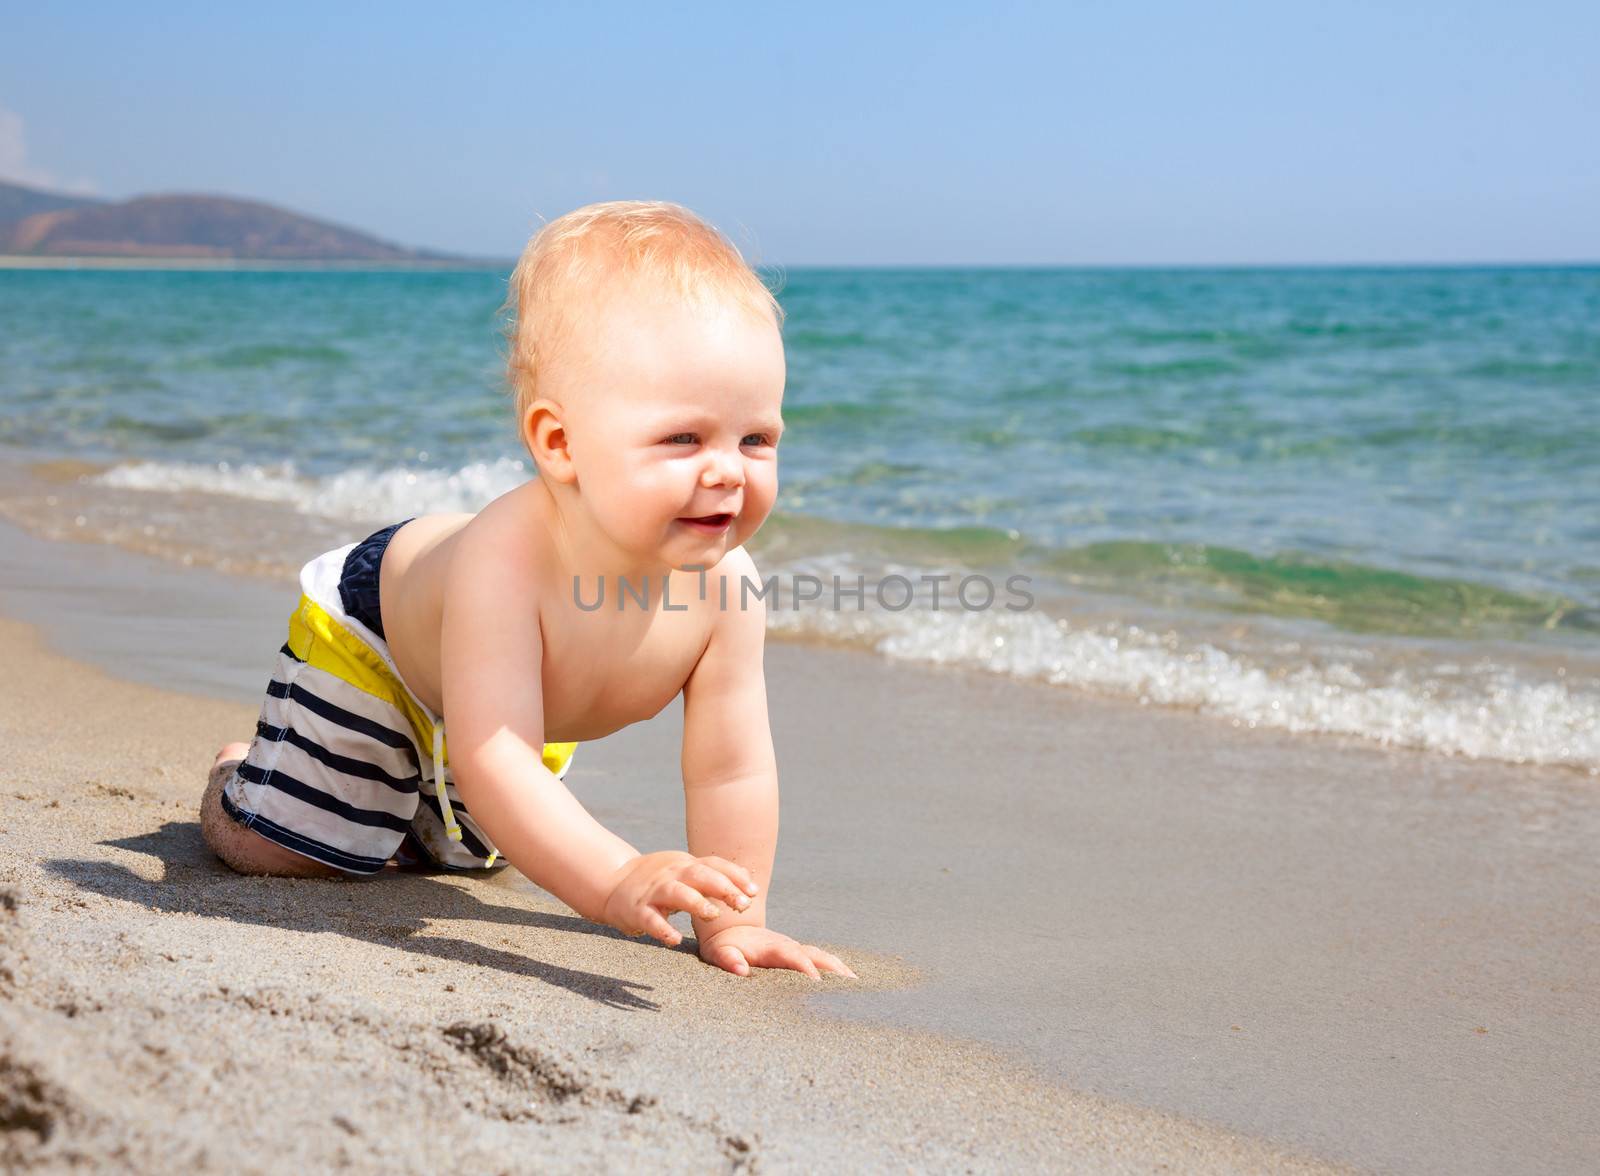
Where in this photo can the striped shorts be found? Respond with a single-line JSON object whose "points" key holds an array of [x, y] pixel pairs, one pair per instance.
{"points": [[347, 766]]}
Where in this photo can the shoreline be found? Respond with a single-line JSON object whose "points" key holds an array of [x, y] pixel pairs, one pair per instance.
{"points": [[1317, 945], [1524, 698]]}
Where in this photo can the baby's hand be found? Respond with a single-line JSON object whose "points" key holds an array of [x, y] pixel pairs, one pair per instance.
{"points": [[742, 947], [653, 885]]}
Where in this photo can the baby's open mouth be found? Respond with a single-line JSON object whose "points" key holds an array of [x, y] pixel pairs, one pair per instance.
{"points": [[716, 521]]}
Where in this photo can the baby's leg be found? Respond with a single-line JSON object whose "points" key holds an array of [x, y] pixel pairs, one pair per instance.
{"points": [[246, 851]]}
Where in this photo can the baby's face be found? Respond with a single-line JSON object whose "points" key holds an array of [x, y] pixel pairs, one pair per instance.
{"points": [[676, 417]]}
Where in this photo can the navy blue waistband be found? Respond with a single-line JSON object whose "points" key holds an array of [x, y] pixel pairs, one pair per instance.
{"points": [[358, 579]]}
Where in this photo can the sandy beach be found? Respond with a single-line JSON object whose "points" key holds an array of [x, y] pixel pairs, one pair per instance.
{"points": [[1091, 936], [161, 1013]]}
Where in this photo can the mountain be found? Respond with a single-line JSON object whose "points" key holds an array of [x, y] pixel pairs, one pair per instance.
{"points": [[17, 202], [48, 224]]}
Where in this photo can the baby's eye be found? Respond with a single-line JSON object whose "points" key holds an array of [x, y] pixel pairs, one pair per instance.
{"points": [[681, 439], [756, 439]]}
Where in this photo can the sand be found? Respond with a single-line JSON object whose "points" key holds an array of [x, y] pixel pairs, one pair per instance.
{"points": [[1091, 936], [160, 1012]]}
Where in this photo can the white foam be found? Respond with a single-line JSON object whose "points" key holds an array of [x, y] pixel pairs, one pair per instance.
{"points": [[1490, 713], [1486, 710], [360, 495]]}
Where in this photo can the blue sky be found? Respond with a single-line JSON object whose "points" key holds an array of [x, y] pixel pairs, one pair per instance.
{"points": [[1137, 133]]}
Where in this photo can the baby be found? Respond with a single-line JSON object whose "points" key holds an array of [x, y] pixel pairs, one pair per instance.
{"points": [[648, 369]]}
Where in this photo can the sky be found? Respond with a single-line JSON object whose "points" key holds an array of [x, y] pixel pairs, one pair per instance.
{"points": [[1141, 133]]}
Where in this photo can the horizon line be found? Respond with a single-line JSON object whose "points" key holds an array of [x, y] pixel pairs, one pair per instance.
{"points": [[63, 261]]}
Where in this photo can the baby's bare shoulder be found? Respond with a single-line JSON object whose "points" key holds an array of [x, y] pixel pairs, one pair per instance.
{"points": [[490, 560], [738, 598], [737, 579], [507, 537]]}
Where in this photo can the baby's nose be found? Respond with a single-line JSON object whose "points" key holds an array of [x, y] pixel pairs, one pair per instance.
{"points": [[723, 470]]}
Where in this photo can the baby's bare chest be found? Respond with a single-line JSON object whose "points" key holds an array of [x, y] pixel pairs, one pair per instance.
{"points": [[604, 672], [602, 667]]}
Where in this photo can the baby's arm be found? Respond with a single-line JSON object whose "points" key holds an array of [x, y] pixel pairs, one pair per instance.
{"points": [[491, 655], [730, 780]]}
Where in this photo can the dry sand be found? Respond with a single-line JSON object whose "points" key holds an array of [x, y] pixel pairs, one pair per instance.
{"points": [[159, 1013]]}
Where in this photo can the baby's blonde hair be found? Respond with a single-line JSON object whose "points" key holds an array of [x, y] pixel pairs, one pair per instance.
{"points": [[573, 257]]}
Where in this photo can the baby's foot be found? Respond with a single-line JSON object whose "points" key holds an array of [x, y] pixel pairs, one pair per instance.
{"points": [[231, 753], [222, 767]]}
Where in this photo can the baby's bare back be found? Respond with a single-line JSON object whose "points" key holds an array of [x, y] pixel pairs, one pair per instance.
{"points": [[603, 668]]}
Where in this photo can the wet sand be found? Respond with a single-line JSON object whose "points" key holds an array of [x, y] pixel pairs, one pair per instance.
{"points": [[1062, 909]]}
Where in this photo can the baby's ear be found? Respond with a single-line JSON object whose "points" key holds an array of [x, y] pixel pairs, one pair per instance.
{"points": [[546, 440]]}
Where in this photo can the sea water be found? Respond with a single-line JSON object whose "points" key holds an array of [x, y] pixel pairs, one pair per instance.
{"points": [[1354, 500]]}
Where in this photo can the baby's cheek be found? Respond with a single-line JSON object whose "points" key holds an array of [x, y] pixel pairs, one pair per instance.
{"points": [[761, 494], [749, 523]]}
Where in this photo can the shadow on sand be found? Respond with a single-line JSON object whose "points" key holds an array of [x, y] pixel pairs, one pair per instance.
{"points": [[196, 883]]}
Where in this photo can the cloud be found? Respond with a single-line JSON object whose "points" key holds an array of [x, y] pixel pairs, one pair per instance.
{"points": [[16, 167]]}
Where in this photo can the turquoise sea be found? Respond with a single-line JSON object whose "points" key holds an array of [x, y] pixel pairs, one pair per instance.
{"points": [[1333, 500]]}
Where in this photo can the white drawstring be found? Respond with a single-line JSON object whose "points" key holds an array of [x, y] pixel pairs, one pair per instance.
{"points": [[450, 826]]}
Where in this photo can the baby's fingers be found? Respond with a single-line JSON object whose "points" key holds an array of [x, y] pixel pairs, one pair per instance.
{"points": [[714, 883], [829, 962], [789, 955], [742, 879], [656, 926], [729, 958], [680, 896]]}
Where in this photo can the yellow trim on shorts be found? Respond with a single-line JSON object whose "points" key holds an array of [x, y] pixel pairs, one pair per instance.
{"points": [[317, 638]]}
